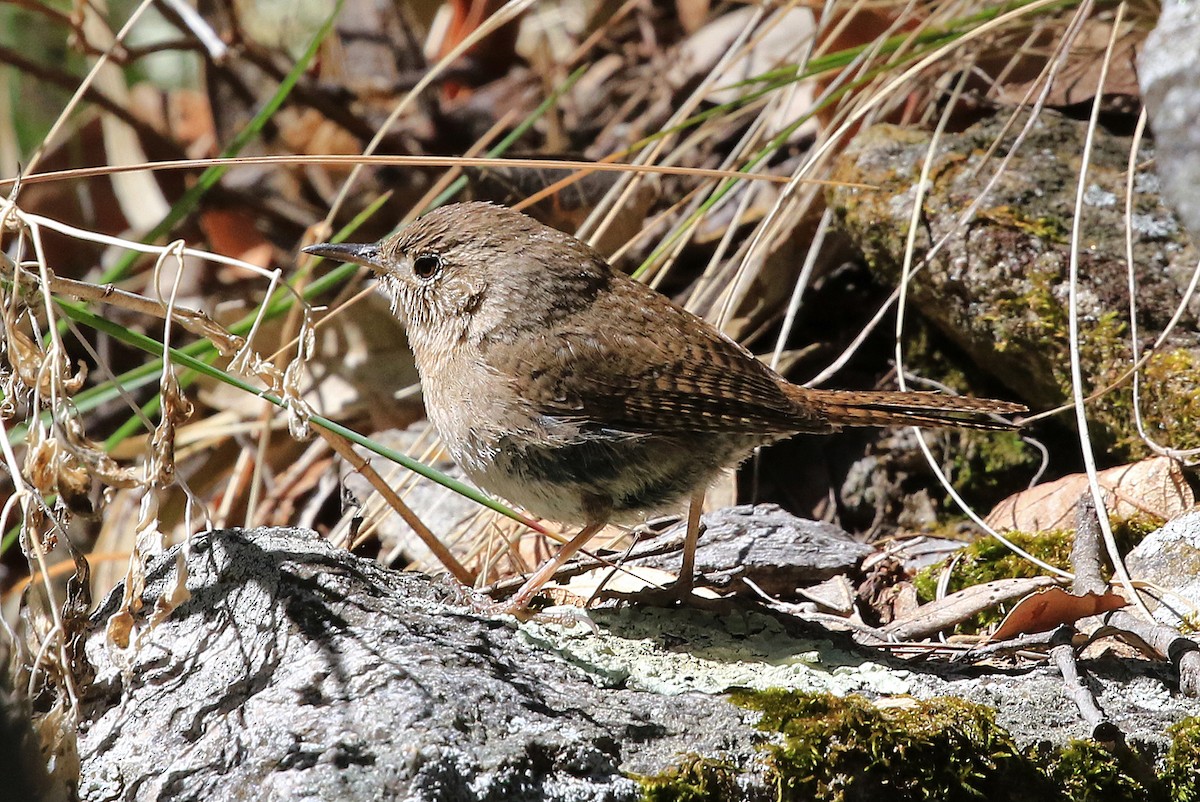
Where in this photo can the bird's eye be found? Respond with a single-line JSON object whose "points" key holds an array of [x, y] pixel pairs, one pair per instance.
{"points": [[427, 265]]}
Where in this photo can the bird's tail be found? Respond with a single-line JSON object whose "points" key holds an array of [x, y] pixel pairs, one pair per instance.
{"points": [[868, 408]]}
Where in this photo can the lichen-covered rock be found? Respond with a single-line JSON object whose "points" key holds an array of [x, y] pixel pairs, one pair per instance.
{"points": [[998, 285], [297, 671], [1169, 559], [1169, 74], [764, 543]]}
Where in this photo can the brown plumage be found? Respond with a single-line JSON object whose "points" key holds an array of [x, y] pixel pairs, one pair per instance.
{"points": [[567, 387], [873, 408]]}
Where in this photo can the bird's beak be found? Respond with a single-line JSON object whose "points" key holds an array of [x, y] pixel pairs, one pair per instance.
{"points": [[365, 255]]}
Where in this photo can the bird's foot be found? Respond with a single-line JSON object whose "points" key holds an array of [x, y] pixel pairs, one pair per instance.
{"points": [[680, 593], [519, 609]]}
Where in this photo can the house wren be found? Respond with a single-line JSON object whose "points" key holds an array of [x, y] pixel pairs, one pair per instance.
{"points": [[564, 386]]}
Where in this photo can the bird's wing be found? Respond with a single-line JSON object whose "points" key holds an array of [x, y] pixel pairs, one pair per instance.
{"points": [[653, 368]]}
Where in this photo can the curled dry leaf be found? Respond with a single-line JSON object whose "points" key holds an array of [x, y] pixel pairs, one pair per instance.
{"points": [[74, 483], [947, 612], [73, 384], [40, 467], [1156, 486], [34, 366], [298, 415], [119, 628], [54, 469], [160, 470], [25, 355], [835, 594], [98, 463], [36, 526], [1045, 609], [298, 410], [249, 363], [225, 341], [120, 625]]}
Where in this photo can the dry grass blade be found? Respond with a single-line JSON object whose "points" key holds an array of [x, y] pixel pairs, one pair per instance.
{"points": [[1073, 323], [443, 554]]}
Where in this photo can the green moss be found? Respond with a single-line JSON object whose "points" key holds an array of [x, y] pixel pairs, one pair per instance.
{"points": [[1181, 772], [988, 559], [1050, 229], [1189, 626], [847, 749], [1014, 320], [1133, 530], [1170, 402], [1086, 772], [1033, 317], [841, 749], [984, 464], [1035, 321], [697, 779]]}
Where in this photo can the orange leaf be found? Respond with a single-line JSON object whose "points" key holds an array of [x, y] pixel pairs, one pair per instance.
{"points": [[1045, 609]]}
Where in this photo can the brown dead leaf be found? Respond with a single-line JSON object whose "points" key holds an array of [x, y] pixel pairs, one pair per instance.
{"points": [[232, 232], [1155, 486], [692, 13], [309, 132], [1045, 609], [184, 113], [1077, 80], [835, 594], [190, 119], [944, 613], [494, 55]]}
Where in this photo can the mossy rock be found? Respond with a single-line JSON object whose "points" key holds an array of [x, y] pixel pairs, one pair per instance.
{"points": [[987, 560], [696, 779], [848, 749], [998, 288]]}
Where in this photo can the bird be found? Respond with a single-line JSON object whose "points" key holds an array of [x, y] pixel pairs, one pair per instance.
{"points": [[564, 386]]}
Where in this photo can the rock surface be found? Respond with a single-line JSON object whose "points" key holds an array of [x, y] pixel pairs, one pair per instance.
{"points": [[1169, 558], [998, 286], [298, 671], [1169, 73], [764, 543]]}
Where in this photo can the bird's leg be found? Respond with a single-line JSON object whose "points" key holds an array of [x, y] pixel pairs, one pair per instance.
{"points": [[683, 586], [520, 601], [679, 591]]}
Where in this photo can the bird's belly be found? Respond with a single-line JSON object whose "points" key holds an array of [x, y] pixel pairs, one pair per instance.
{"points": [[590, 475]]}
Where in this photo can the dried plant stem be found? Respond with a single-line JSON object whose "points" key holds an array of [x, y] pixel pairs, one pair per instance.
{"points": [[194, 321], [431, 541]]}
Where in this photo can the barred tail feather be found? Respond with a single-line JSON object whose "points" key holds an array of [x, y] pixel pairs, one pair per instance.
{"points": [[867, 408]]}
